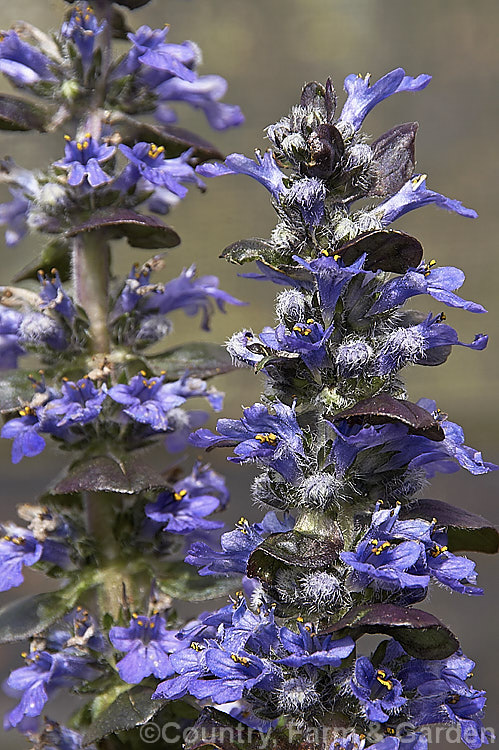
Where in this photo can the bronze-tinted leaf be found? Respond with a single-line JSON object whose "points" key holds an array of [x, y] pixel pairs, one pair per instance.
{"points": [[317, 97], [382, 408], [421, 634], [386, 249], [245, 251], [467, 532], [395, 157], [326, 150], [201, 359], [106, 474], [292, 548], [20, 114], [141, 231], [175, 140]]}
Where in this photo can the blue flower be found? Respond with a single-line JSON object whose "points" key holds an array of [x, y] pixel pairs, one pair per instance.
{"points": [[309, 194], [150, 49], [10, 348], [83, 158], [439, 283], [152, 166], [147, 644], [190, 294], [264, 170], [249, 630], [414, 194], [308, 339], [22, 63], [83, 28], [237, 673], [306, 647], [81, 402], [274, 439], [13, 215], [379, 693], [357, 742], [414, 344], [204, 93], [183, 510], [236, 546], [43, 674], [331, 276], [56, 737], [362, 97], [16, 551], [53, 296], [24, 431], [189, 664], [385, 565]]}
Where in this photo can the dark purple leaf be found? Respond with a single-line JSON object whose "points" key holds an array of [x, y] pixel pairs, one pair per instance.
{"points": [[119, 25], [106, 474], [326, 150], [141, 231], [19, 114], [386, 249], [421, 634], [383, 408], [394, 154], [317, 97], [467, 532], [295, 549], [175, 140]]}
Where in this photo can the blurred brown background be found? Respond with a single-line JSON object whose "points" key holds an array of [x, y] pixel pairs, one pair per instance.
{"points": [[267, 49]]}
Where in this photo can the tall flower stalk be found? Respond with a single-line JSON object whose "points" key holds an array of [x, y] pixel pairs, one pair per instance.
{"points": [[112, 528], [345, 455]]}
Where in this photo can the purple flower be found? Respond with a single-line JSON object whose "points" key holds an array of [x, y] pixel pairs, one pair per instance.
{"points": [[379, 693], [203, 93], [147, 644], [53, 296], [83, 28], [415, 343], [414, 194], [249, 630], [308, 339], [56, 737], [10, 348], [24, 431], [16, 551], [183, 510], [83, 158], [439, 283], [153, 167], [81, 402], [274, 439], [362, 97], [13, 215], [331, 276], [306, 647], [190, 294], [264, 170], [236, 546], [150, 49], [190, 665], [43, 674], [237, 673], [22, 63]]}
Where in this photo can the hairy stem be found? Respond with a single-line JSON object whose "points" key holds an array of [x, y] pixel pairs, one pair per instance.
{"points": [[91, 267]]}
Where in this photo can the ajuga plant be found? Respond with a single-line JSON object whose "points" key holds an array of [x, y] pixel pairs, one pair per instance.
{"points": [[345, 456], [111, 528]]}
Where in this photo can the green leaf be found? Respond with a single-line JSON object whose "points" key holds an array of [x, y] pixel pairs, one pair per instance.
{"points": [[245, 251], [56, 254], [108, 474], [145, 232], [20, 114], [421, 634], [25, 617], [202, 360], [182, 581], [130, 709]]}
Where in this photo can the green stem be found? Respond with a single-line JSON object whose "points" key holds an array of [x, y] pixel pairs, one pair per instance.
{"points": [[91, 269]]}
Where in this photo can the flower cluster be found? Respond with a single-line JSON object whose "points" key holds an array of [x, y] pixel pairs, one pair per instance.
{"points": [[341, 446]]}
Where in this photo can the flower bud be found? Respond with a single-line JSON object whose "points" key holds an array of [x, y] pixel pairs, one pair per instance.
{"points": [[291, 306], [352, 358]]}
